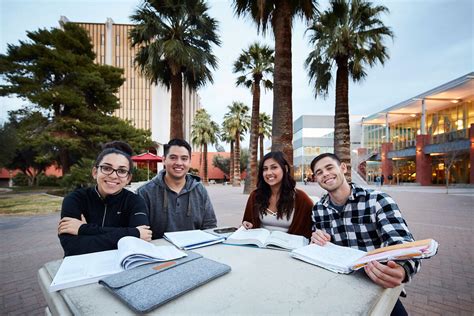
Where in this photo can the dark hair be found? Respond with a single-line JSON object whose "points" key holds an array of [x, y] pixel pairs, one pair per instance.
{"points": [[116, 147], [325, 155], [263, 192], [176, 142]]}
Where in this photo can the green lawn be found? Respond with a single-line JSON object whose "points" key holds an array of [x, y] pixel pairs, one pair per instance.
{"points": [[29, 203]]}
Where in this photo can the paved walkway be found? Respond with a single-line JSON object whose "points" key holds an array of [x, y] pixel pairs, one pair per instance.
{"points": [[445, 285]]}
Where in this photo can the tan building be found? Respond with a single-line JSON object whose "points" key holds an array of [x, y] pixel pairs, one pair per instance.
{"points": [[146, 105]]}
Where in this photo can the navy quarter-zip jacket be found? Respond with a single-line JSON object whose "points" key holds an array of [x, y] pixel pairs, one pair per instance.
{"points": [[108, 219]]}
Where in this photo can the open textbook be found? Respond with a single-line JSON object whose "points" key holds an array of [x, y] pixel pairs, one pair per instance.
{"points": [[264, 238], [89, 268], [191, 239], [345, 259]]}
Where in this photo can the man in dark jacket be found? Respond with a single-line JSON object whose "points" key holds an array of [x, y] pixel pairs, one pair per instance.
{"points": [[176, 200]]}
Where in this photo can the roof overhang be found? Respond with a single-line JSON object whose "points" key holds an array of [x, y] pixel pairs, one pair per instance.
{"points": [[435, 99]]}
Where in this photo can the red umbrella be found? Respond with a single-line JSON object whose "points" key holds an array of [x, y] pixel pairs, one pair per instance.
{"points": [[147, 157]]}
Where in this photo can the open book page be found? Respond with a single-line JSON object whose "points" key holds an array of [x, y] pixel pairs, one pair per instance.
{"points": [[243, 236], [330, 256], [279, 240], [134, 252], [85, 269], [190, 239], [412, 250]]}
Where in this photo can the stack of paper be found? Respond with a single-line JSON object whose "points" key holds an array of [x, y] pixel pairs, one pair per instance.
{"points": [[191, 239]]}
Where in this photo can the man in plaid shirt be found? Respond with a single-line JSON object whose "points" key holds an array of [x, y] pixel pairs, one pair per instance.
{"points": [[359, 218]]}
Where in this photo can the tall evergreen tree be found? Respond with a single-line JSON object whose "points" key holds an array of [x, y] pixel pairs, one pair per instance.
{"points": [[279, 15], [174, 39], [255, 65], [348, 35], [55, 70]]}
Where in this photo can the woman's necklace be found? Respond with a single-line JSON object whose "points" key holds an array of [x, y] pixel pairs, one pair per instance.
{"points": [[273, 203], [270, 212]]}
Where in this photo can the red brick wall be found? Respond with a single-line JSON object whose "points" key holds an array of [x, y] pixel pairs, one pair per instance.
{"points": [[387, 164], [423, 161]]}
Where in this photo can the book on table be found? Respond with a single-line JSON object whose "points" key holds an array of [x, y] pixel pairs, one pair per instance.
{"points": [[264, 238], [191, 239], [89, 268], [345, 259]]}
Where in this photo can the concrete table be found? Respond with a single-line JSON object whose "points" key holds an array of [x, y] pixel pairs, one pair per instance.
{"points": [[262, 281]]}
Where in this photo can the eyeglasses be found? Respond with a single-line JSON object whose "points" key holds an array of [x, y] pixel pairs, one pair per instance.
{"points": [[107, 170]]}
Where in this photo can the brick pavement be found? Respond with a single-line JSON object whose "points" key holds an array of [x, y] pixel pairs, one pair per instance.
{"points": [[443, 287]]}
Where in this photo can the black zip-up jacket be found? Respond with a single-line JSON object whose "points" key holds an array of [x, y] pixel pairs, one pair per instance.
{"points": [[108, 219]]}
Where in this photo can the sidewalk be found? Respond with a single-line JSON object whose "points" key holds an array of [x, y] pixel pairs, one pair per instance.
{"points": [[444, 286]]}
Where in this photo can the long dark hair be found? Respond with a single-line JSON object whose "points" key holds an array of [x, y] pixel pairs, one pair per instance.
{"points": [[263, 192]]}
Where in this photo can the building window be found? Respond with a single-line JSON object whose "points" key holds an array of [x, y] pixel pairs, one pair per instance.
{"points": [[102, 39], [117, 40], [117, 61]]}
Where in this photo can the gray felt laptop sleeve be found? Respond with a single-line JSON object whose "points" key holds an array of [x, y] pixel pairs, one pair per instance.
{"points": [[150, 286]]}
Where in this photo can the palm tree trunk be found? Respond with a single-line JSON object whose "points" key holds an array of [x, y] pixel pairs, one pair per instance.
{"points": [[231, 163], [236, 182], [282, 122], [252, 171], [260, 137], [205, 180], [200, 157], [342, 138], [176, 117]]}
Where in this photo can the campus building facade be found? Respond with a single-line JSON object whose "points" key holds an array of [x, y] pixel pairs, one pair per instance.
{"points": [[314, 135], [145, 105], [420, 139]]}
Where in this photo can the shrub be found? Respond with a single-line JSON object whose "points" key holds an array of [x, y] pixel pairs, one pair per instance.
{"points": [[20, 180], [50, 181], [141, 175], [79, 176]]}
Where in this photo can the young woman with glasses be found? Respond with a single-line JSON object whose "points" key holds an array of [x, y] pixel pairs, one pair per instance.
{"points": [[94, 219]]}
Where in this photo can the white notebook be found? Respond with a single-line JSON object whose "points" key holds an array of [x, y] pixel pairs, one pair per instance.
{"points": [[191, 239], [89, 268]]}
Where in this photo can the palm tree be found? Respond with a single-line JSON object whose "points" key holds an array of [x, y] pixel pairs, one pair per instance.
{"points": [[204, 131], [227, 137], [264, 130], [174, 39], [279, 14], [349, 36], [254, 65], [237, 122]]}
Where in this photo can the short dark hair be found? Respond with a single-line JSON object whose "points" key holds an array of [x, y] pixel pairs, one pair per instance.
{"points": [[325, 155], [116, 147], [176, 142]]}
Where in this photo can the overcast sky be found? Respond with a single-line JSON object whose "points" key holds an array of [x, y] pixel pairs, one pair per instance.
{"points": [[433, 44]]}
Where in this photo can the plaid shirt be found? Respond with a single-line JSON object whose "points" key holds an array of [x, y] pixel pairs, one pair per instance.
{"points": [[370, 220]]}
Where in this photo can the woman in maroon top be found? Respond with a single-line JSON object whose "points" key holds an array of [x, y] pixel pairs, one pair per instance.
{"points": [[276, 203]]}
